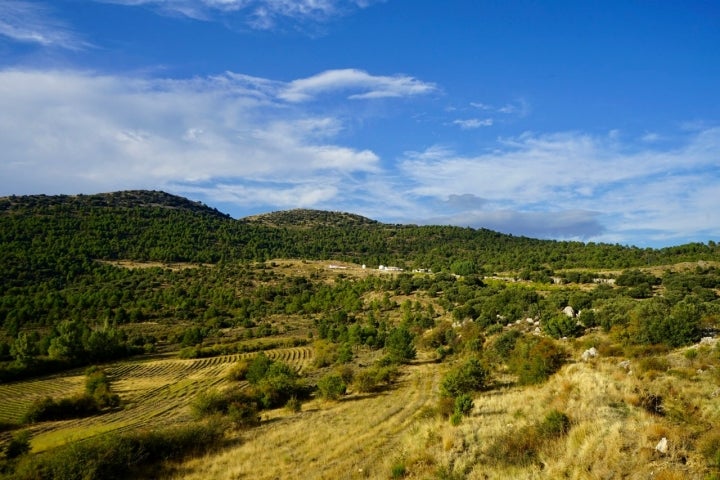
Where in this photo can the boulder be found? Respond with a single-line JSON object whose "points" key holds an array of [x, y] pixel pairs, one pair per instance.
{"points": [[662, 446], [589, 353]]}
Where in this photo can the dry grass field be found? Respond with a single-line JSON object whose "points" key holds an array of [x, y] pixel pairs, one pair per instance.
{"points": [[613, 431]]}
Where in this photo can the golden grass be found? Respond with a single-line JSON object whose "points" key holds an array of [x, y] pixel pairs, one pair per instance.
{"points": [[611, 436]]}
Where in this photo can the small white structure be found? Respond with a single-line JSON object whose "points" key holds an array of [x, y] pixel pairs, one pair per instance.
{"points": [[385, 268]]}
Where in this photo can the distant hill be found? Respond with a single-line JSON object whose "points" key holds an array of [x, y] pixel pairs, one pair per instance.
{"points": [[123, 199], [49, 236], [308, 218]]}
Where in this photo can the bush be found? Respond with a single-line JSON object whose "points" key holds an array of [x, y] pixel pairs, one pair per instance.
{"points": [[97, 385], [505, 343], [238, 372], [561, 326], [516, 448], [469, 377], [534, 359], [257, 368], [278, 385], [555, 424], [374, 378], [119, 456], [18, 445], [45, 409], [244, 413], [709, 447], [464, 404], [331, 386]]}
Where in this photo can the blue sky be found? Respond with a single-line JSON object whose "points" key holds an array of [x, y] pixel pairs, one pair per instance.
{"points": [[582, 120]]}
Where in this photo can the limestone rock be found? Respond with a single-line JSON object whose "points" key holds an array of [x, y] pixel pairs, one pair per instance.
{"points": [[589, 353], [662, 446]]}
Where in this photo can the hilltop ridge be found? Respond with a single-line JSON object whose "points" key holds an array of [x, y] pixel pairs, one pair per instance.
{"points": [[308, 218], [120, 199]]}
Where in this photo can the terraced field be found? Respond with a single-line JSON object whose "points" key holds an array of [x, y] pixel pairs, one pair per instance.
{"points": [[154, 393]]}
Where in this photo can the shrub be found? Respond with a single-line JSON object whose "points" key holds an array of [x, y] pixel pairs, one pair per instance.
{"points": [[118, 456], [331, 386], [97, 385], [398, 470], [445, 407], [505, 343], [244, 412], [469, 377], [238, 372], [561, 326], [257, 368], [47, 408], [278, 385], [294, 405], [555, 424], [534, 359], [464, 404], [18, 445], [516, 448], [373, 379], [209, 402], [522, 447]]}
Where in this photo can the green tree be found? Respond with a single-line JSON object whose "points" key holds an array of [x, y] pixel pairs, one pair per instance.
{"points": [[399, 345], [68, 344], [22, 350]]}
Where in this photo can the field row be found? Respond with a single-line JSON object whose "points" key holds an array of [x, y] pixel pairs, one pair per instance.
{"points": [[154, 393]]}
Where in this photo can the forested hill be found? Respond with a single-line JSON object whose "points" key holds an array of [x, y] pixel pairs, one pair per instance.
{"points": [[46, 204], [59, 236], [307, 218]]}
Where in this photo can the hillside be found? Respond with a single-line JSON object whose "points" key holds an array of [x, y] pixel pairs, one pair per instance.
{"points": [[143, 335], [37, 204], [154, 226], [307, 218]]}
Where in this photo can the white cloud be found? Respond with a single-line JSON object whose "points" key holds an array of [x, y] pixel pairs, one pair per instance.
{"points": [[370, 86], [665, 191], [472, 123], [69, 132], [518, 108], [258, 14], [33, 22]]}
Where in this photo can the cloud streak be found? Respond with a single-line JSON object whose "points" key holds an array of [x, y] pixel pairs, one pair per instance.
{"points": [[576, 176], [33, 22], [74, 131], [257, 14]]}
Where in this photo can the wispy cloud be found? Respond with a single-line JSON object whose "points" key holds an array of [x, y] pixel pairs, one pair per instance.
{"points": [[472, 123], [518, 108], [257, 14], [366, 86], [69, 131], [33, 22], [572, 177]]}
